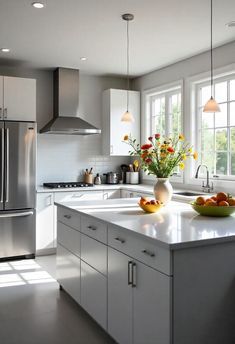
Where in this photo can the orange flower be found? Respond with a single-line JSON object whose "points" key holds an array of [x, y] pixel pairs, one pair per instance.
{"points": [[195, 155], [144, 155], [125, 138], [181, 137]]}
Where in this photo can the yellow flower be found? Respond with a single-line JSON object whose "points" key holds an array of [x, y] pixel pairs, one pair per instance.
{"points": [[195, 155], [190, 150], [181, 165], [184, 156], [126, 137], [181, 137]]}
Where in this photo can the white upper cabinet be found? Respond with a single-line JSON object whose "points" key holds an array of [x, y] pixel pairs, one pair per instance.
{"points": [[113, 130], [17, 99]]}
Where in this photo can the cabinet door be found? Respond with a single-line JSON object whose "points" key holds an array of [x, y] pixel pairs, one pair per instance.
{"points": [[94, 293], [68, 271], [151, 306], [20, 99], [44, 221], [118, 103], [119, 298], [1, 97]]}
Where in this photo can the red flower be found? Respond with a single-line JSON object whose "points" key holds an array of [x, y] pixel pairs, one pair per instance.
{"points": [[148, 161], [146, 146], [170, 149], [157, 136], [150, 138]]}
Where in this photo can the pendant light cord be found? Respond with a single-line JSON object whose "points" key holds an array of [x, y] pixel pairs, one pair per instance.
{"points": [[128, 64], [211, 49]]}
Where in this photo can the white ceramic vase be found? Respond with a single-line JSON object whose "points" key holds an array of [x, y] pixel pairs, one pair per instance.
{"points": [[163, 190]]}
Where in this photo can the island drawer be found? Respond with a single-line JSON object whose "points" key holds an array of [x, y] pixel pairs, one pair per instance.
{"points": [[94, 253], [94, 229], [69, 238], [69, 218], [140, 248]]}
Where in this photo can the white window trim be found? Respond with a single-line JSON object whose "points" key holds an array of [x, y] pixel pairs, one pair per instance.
{"points": [[145, 118], [189, 126]]}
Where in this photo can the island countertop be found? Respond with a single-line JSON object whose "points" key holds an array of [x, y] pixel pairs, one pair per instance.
{"points": [[176, 226]]}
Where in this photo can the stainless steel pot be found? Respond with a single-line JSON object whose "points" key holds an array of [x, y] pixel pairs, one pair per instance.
{"points": [[111, 178]]}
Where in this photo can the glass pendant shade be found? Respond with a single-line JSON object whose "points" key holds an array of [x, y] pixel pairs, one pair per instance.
{"points": [[211, 106], [127, 117]]}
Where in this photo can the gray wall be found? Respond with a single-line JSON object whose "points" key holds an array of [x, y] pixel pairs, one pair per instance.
{"points": [[62, 157]]}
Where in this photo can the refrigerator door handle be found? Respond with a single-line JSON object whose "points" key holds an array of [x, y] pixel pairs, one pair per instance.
{"points": [[7, 165], [2, 167], [24, 213]]}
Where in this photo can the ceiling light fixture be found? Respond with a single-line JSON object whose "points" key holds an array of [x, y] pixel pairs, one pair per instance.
{"points": [[127, 116], [5, 50], [211, 105], [38, 5], [83, 58]]}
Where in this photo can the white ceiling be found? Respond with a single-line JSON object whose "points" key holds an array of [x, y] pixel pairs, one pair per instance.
{"points": [[163, 32]]}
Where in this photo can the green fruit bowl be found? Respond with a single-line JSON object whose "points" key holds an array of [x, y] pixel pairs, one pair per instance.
{"points": [[215, 211]]}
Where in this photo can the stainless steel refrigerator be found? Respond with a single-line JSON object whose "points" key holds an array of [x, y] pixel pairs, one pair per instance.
{"points": [[17, 189]]}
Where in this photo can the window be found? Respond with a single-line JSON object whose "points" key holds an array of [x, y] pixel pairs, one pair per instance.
{"points": [[215, 141], [165, 113]]}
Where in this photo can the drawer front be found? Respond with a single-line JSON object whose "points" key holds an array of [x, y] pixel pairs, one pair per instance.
{"points": [[94, 228], [94, 294], [94, 253], [141, 249], [68, 270], [69, 218], [69, 238], [72, 196]]}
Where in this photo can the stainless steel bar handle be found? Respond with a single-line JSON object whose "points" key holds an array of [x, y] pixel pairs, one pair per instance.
{"points": [[130, 273], [77, 196], [2, 170], [134, 275], [25, 213], [122, 241], [92, 228], [5, 113], [7, 165], [148, 253], [0, 112], [68, 217]]}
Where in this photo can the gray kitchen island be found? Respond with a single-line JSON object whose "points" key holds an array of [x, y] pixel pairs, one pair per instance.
{"points": [[164, 278]]}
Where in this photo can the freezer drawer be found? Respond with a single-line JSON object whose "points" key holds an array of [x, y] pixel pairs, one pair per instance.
{"points": [[17, 233]]}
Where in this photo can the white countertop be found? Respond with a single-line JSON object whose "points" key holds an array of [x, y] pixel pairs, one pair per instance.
{"points": [[176, 226]]}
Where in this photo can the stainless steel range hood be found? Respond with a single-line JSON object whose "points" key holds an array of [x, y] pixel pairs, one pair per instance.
{"points": [[65, 120]]}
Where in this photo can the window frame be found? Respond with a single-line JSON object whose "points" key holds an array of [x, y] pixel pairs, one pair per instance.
{"points": [[192, 85], [146, 120]]}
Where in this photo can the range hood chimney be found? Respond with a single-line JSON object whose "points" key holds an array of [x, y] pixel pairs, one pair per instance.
{"points": [[65, 119]]}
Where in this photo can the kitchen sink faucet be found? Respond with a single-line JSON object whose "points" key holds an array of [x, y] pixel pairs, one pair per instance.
{"points": [[208, 187]]}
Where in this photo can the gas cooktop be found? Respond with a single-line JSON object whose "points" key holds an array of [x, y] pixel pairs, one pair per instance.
{"points": [[67, 185]]}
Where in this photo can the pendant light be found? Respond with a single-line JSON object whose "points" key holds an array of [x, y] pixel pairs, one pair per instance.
{"points": [[211, 105], [127, 116]]}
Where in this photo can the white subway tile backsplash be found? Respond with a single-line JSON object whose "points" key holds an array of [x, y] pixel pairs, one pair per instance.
{"points": [[64, 157]]}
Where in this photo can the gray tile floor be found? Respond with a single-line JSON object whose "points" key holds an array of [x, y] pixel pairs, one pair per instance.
{"points": [[34, 311]]}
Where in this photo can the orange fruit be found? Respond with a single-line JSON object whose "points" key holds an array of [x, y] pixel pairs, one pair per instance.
{"points": [[200, 200], [214, 198], [221, 196], [223, 204], [143, 200], [231, 201], [210, 203]]}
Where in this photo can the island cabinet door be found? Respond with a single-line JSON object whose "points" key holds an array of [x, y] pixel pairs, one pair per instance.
{"points": [[119, 297], [151, 306]]}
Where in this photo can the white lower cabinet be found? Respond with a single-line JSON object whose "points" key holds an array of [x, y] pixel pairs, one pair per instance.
{"points": [[138, 301], [94, 293], [68, 272], [44, 222]]}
